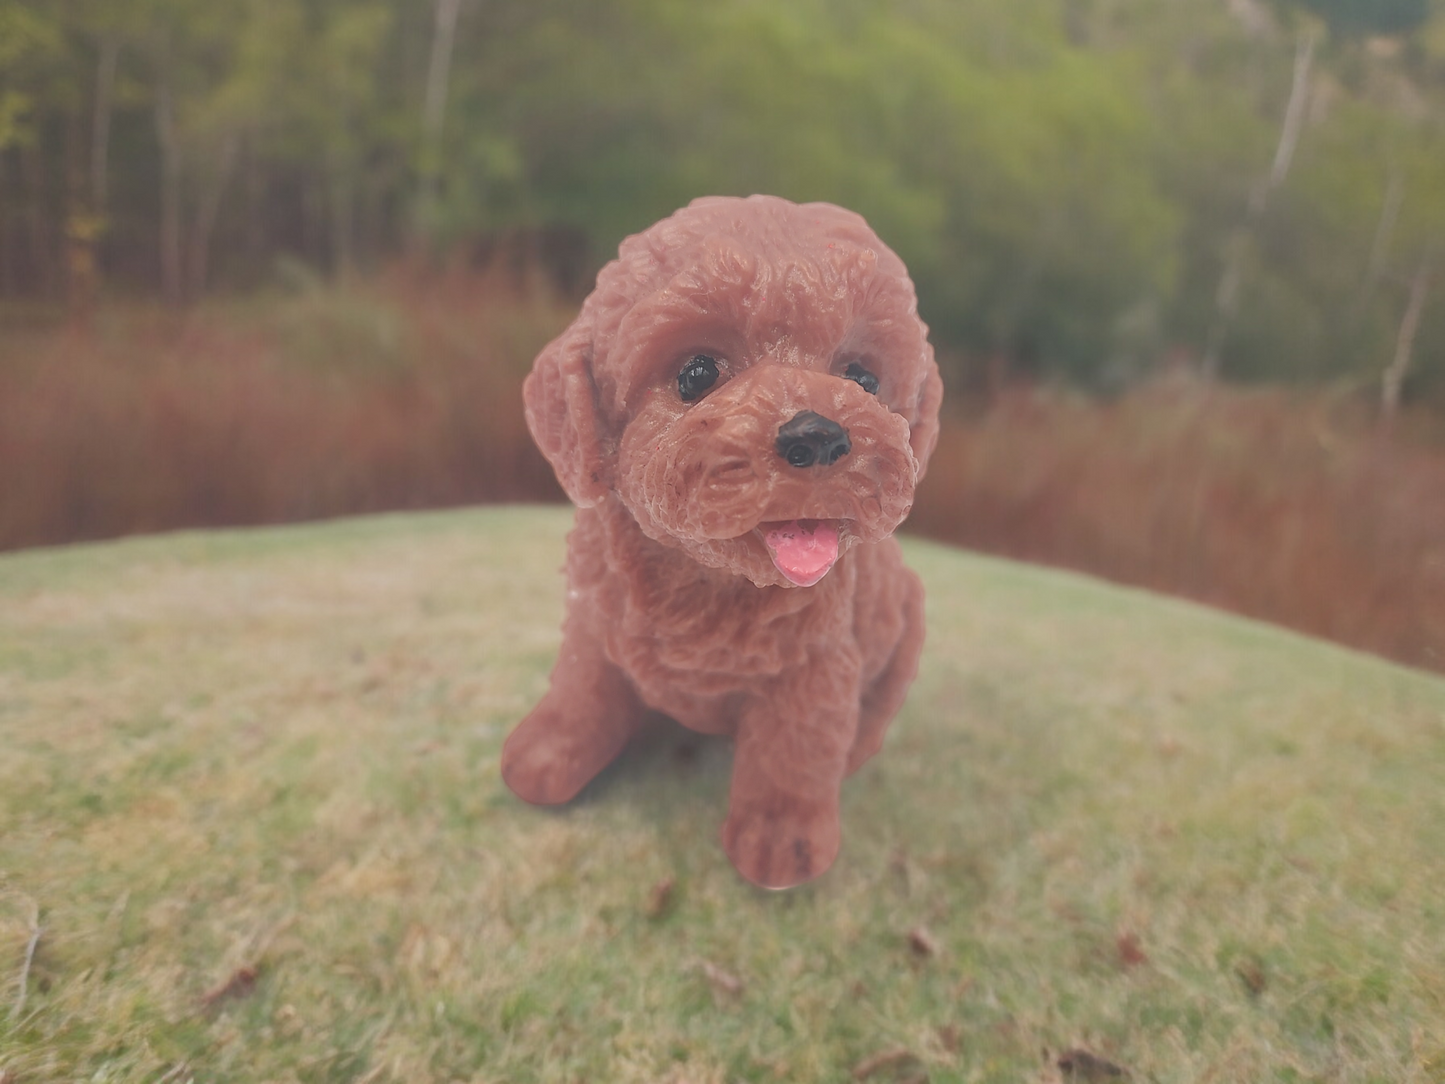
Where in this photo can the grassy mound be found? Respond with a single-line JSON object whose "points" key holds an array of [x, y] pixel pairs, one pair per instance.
{"points": [[251, 828]]}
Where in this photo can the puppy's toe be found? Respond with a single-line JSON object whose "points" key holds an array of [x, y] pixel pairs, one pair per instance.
{"points": [[782, 845]]}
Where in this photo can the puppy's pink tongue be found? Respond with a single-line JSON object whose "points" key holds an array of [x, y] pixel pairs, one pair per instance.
{"points": [[803, 550]]}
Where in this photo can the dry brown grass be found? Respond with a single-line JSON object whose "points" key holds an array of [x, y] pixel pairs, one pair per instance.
{"points": [[1283, 506], [400, 394]]}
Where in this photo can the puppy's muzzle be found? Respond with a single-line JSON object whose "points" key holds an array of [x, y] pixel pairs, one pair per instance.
{"points": [[810, 439]]}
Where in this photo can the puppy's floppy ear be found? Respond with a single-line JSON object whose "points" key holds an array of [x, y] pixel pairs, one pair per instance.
{"points": [[923, 425], [562, 413]]}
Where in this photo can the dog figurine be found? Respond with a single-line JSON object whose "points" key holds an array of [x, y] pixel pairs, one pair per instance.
{"points": [[740, 413]]}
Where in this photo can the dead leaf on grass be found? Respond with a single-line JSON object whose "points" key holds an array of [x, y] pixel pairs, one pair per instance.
{"points": [[1082, 1065], [660, 899], [239, 984], [1131, 952], [722, 981], [922, 942], [888, 1059], [951, 1037], [1251, 972]]}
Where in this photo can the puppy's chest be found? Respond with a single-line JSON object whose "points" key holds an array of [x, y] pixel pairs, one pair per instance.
{"points": [[724, 631], [667, 620]]}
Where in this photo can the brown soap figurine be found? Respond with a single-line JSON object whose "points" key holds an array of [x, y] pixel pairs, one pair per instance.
{"points": [[740, 412]]}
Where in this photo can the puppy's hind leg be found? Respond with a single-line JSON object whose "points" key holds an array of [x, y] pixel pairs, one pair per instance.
{"points": [[588, 715]]}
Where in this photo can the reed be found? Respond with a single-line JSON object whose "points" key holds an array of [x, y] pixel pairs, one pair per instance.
{"points": [[404, 392]]}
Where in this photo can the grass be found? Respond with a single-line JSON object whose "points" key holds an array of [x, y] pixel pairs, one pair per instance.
{"points": [[249, 798]]}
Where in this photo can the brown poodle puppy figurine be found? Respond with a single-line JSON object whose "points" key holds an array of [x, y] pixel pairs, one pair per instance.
{"points": [[740, 412]]}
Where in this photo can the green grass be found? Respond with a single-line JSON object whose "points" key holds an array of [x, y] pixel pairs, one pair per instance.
{"points": [[1200, 848]]}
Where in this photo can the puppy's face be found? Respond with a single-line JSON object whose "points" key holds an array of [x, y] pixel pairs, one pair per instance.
{"points": [[764, 396]]}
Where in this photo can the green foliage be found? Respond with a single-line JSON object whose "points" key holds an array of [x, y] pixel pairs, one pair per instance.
{"points": [[29, 43], [1372, 16], [1062, 176]]}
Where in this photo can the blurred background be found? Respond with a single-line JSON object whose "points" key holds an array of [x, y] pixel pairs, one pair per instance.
{"points": [[1184, 263]]}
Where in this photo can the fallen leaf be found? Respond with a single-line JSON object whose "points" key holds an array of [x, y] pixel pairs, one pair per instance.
{"points": [[723, 981], [1081, 1065], [659, 900], [922, 942], [885, 1060], [1251, 973], [241, 982], [1131, 952]]}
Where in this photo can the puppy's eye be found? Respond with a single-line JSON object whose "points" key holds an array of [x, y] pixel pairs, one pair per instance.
{"points": [[862, 377], [698, 374]]}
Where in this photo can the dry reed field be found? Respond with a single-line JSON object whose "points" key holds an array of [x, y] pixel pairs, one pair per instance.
{"points": [[404, 392], [1278, 505]]}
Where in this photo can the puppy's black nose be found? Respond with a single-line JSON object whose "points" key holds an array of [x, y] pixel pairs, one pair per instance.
{"points": [[812, 439]]}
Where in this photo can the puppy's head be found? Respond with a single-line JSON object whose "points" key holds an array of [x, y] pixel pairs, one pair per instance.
{"points": [[751, 379]]}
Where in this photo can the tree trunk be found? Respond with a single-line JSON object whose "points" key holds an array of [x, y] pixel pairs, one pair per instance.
{"points": [[8, 277], [312, 211], [82, 227], [434, 106], [39, 233], [171, 253], [1393, 379], [198, 265], [1379, 251], [100, 126], [1294, 113], [1226, 298], [439, 69], [341, 203], [1384, 234], [255, 197]]}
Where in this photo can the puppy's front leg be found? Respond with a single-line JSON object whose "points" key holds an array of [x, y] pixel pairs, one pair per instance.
{"points": [[587, 716], [789, 763]]}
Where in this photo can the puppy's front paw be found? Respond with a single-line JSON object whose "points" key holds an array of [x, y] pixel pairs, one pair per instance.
{"points": [[784, 843], [547, 762]]}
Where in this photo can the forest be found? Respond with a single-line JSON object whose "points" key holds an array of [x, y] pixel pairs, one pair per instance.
{"points": [[1083, 189]]}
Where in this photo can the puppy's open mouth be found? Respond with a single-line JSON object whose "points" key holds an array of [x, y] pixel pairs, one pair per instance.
{"points": [[802, 549]]}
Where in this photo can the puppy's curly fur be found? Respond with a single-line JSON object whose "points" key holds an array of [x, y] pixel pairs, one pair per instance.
{"points": [[676, 602]]}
